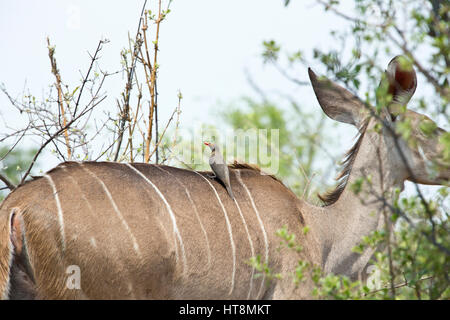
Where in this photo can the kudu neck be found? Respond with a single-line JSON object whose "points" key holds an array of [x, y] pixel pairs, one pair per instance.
{"points": [[375, 172], [361, 208]]}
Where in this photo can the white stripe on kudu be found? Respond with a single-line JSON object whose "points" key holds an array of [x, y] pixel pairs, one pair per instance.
{"points": [[251, 247], [230, 232], [169, 209], [60, 212], [195, 211], [266, 242], [116, 209]]}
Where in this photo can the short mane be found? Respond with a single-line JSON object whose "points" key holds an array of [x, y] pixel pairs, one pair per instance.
{"points": [[239, 165], [332, 196]]}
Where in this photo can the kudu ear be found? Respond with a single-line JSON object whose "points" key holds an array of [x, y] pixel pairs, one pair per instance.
{"points": [[337, 102], [16, 235], [402, 83]]}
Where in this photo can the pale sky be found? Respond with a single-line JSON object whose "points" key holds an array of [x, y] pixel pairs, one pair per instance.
{"points": [[205, 46]]}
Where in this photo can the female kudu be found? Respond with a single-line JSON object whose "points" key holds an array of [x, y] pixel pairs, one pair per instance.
{"points": [[143, 231]]}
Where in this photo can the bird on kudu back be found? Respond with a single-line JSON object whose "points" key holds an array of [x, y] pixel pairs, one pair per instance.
{"points": [[219, 167]]}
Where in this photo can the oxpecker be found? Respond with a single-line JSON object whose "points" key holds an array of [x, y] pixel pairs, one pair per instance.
{"points": [[219, 167]]}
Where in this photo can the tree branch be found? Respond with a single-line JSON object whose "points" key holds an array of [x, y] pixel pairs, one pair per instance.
{"points": [[8, 183], [129, 85], [56, 134]]}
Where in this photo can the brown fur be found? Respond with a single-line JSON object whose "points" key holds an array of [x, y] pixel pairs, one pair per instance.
{"points": [[253, 167], [5, 253], [111, 268]]}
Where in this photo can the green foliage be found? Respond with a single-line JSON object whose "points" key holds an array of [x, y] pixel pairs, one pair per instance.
{"points": [[356, 186], [14, 165], [445, 142], [326, 286], [288, 239], [428, 127], [412, 260], [263, 269], [271, 51], [420, 268]]}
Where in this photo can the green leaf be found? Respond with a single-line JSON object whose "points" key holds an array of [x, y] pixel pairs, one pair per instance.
{"points": [[428, 127]]}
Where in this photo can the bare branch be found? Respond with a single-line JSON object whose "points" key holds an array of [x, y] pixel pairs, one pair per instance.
{"points": [[56, 134], [129, 85], [164, 131], [8, 183], [55, 71], [85, 79]]}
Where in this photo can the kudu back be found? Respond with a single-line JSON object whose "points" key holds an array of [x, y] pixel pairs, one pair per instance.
{"points": [[141, 231]]}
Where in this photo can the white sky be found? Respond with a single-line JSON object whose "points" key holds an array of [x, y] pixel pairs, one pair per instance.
{"points": [[204, 48]]}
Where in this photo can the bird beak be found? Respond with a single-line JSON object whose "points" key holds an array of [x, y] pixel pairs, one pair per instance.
{"points": [[207, 144]]}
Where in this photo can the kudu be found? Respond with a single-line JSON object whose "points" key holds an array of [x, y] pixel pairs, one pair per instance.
{"points": [[141, 231]]}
